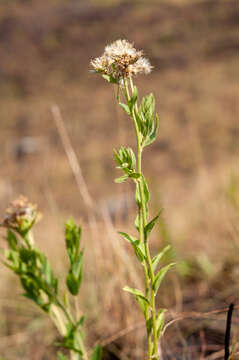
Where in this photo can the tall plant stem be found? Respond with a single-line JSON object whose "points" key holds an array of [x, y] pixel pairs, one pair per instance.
{"points": [[142, 214]]}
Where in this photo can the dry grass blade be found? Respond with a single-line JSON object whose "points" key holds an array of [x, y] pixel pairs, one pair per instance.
{"points": [[73, 161]]}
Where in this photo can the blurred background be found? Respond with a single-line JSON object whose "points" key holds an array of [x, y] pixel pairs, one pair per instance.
{"points": [[51, 104]]}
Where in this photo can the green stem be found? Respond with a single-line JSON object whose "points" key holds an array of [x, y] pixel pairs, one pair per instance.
{"points": [[68, 315], [147, 265]]}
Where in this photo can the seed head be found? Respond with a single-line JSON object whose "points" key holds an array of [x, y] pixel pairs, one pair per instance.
{"points": [[121, 60], [20, 215]]}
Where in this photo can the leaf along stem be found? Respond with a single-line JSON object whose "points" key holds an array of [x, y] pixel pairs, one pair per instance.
{"points": [[142, 213]]}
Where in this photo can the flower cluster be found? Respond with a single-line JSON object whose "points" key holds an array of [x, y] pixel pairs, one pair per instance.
{"points": [[20, 215], [121, 60]]}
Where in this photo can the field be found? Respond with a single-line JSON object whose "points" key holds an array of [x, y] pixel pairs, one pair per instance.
{"points": [[46, 48]]}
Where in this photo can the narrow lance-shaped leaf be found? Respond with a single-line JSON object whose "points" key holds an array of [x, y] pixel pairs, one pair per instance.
{"points": [[77, 266], [143, 304], [137, 195], [117, 158], [137, 246], [152, 136], [128, 237], [136, 292], [160, 321], [160, 275], [121, 179], [47, 270], [133, 99], [132, 158], [159, 256], [149, 227], [125, 108], [12, 240], [145, 189], [139, 251], [110, 79], [136, 223], [149, 325]]}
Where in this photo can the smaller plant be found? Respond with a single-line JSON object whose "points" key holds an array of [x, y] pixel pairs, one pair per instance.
{"points": [[118, 65], [38, 280]]}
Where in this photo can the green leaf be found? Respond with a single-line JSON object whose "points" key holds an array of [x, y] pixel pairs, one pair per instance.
{"points": [[121, 179], [149, 325], [12, 240], [133, 99], [72, 284], [136, 223], [81, 321], [146, 195], [138, 247], [136, 293], [159, 256], [46, 268], [149, 227], [127, 237], [77, 266], [146, 190], [72, 239], [117, 158], [131, 156], [143, 305], [146, 110], [110, 79], [139, 250], [152, 136], [160, 275], [126, 161], [137, 195], [125, 108], [160, 321], [97, 353]]}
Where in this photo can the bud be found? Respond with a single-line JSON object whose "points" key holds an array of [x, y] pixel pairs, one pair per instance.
{"points": [[21, 215]]}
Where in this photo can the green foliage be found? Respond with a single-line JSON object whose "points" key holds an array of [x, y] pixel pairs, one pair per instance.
{"points": [[41, 285], [160, 275], [146, 125], [110, 79], [71, 340], [147, 120], [160, 321], [73, 239], [149, 227], [126, 161], [137, 246], [34, 271], [156, 259]]}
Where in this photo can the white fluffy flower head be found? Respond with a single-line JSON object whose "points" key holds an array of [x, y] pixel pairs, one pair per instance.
{"points": [[121, 60]]}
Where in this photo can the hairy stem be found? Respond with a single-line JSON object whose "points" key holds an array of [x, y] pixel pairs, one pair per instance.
{"points": [[142, 213]]}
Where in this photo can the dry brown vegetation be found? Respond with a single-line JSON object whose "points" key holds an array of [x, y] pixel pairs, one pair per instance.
{"points": [[193, 167]]}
